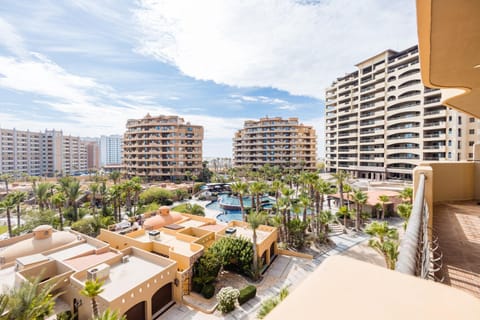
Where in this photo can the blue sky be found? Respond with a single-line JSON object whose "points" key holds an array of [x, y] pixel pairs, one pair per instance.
{"points": [[86, 66]]}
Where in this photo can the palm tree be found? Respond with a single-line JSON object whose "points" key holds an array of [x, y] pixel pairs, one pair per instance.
{"points": [[305, 202], [340, 178], [325, 218], [383, 201], [256, 189], [29, 300], [8, 203], [347, 189], [115, 176], [94, 187], [276, 186], [91, 290], [255, 219], [360, 198], [42, 191], [322, 188], [404, 210], [6, 178], [385, 241], [72, 193], [103, 194], [18, 198], [345, 212], [407, 195], [58, 201], [240, 188], [115, 194]]}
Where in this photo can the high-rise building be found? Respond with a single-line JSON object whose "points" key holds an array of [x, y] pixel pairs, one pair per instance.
{"points": [[46, 154], [275, 141], [21, 151], [110, 149], [381, 121], [162, 148], [93, 153]]}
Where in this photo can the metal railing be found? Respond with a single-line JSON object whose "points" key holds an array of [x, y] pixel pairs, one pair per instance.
{"points": [[419, 254]]}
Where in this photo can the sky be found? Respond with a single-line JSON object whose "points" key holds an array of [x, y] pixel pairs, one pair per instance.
{"points": [[86, 66]]}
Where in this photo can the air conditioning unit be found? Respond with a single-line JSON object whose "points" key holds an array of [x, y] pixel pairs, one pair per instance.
{"points": [[154, 234], [99, 272]]}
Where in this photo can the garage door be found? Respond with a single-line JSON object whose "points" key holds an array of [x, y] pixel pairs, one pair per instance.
{"points": [[161, 298], [136, 312]]}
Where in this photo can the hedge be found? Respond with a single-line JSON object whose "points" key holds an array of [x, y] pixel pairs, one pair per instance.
{"points": [[208, 291], [246, 294]]}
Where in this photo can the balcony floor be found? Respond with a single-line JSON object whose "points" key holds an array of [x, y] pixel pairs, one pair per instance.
{"points": [[457, 225]]}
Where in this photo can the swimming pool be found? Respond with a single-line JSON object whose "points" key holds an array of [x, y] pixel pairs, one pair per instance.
{"points": [[229, 206]]}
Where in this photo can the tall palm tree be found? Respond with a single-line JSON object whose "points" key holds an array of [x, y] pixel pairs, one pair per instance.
{"points": [[345, 213], [6, 178], [91, 290], [240, 188], [58, 202], [340, 178], [103, 190], [72, 193], [322, 189], [115, 176], [305, 201], [8, 203], [94, 188], [256, 189], [275, 188], [360, 198], [255, 219], [19, 197], [404, 210], [385, 241], [347, 189], [383, 201], [42, 193], [115, 192]]}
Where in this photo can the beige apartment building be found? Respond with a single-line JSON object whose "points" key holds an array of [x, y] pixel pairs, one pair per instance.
{"points": [[381, 121], [162, 148], [93, 154], [275, 141], [40, 154]]}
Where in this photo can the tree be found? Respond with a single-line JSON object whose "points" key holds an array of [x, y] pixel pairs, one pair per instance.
{"points": [[6, 178], [407, 195], [404, 210], [360, 198], [322, 188], [91, 290], [383, 201], [7, 204], [240, 188], [340, 178], [305, 202], [256, 189], [385, 241], [42, 193], [58, 201], [18, 198], [345, 213], [29, 300], [255, 219], [94, 188], [72, 193], [276, 186], [115, 176]]}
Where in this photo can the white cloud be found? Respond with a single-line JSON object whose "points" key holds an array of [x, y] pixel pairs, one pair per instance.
{"points": [[295, 46], [10, 39], [287, 107]]}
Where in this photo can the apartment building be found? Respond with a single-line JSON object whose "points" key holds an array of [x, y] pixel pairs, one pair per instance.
{"points": [[93, 153], [110, 149], [381, 121], [20, 152], [162, 148], [37, 153], [275, 141]]}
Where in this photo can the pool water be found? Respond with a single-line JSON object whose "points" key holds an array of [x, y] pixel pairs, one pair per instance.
{"points": [[229, 215]]}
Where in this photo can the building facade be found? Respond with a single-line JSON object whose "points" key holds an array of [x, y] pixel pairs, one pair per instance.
{"points": [[93, 154], [381, 121], [111, 149], [41, 154], [162, 148], [275, 141]]}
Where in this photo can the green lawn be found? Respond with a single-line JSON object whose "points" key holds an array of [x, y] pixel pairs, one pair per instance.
{"points": [[3, 229]]}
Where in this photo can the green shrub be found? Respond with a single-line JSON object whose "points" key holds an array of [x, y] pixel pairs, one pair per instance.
{"points": [[208, 291], [247, 293], [161, 196], [65, 315], [267, 306], [226, 299], [191, 209]]}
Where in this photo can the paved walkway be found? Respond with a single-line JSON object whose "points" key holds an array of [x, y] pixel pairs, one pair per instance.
{"points": [[284, 272]]}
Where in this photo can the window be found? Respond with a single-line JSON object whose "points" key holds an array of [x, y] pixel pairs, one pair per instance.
{"points": [[449, 155], [449, 130], [459, 144], [449, 143], [459, 134], [459, 120], [471, 131], [471, 143], [471, 120], [458, 156], [470, 155]]}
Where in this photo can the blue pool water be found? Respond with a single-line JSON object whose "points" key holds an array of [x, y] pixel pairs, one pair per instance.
{"points": [[229, 215]]}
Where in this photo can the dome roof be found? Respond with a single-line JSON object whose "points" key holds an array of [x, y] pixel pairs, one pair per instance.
{"points": [[31, 246], [161, 221]]}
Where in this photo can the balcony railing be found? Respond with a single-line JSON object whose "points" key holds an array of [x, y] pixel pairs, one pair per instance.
{"points": [[419, 255]]}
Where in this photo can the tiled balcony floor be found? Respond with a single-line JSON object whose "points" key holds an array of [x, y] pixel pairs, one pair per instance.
{"points": [[457, 225]]}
